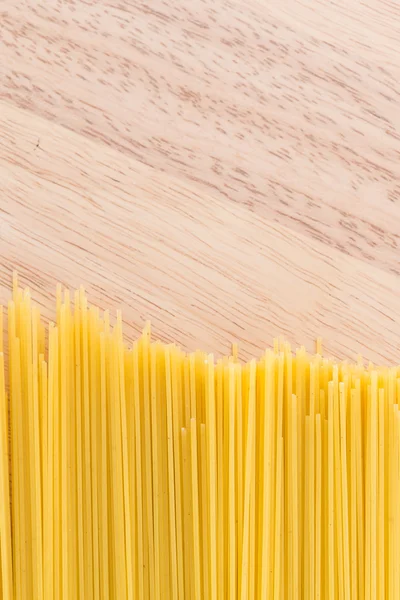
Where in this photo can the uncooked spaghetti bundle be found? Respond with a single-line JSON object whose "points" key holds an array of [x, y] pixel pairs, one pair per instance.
{"points": [[140, 472]]}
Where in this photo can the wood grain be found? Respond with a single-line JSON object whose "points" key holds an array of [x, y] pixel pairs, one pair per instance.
{"points": [[231, 172]]}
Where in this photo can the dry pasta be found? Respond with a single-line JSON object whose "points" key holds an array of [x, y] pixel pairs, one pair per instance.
{"points": [[142, 472]]}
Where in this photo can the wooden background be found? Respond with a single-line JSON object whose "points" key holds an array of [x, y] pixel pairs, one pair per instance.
{"points": [[228, 169]]}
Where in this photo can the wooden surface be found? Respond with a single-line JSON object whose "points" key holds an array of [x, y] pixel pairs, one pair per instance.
{"points": [[229, 170]]}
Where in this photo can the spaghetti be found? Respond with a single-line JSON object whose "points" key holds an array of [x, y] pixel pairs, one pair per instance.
{"points": [[143, 472]]}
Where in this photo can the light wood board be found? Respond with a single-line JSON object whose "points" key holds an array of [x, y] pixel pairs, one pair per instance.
{"points": [[228, 169]]}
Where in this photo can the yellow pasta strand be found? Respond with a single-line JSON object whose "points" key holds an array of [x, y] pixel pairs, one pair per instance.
{"points": [[195, 497], [155, 472], [247, 486], [295, 502], [318, 507], [104, 562], [331, 498], [5, 519], [232, 536]]}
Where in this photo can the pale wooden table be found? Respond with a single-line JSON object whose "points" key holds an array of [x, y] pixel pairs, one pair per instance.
{"points": [[228, 169]]}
